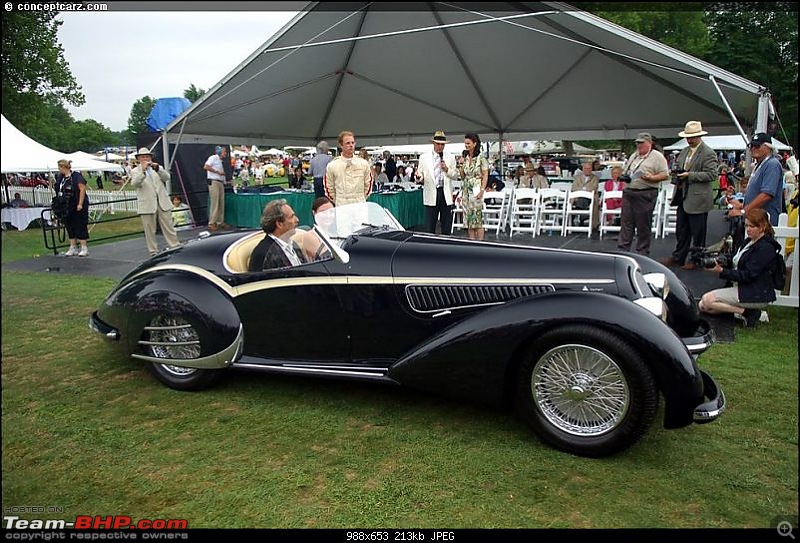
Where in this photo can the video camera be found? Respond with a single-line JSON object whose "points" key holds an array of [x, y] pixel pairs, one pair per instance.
{"points": [[721, 252]]}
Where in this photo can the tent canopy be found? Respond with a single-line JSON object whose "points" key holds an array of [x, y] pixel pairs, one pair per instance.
{"points": [[79, 157], [725, 143], [21, 154], [394, 77], [164, 112]]}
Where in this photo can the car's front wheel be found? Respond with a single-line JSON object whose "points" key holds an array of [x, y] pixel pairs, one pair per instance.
{"points": [[174, 338], [586, 391]]}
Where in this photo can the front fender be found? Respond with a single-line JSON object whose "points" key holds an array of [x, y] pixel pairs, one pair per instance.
{"points": [[479, 354], [174, 293]]}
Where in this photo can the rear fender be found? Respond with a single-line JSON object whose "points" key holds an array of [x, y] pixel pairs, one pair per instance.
{"points": [[481, 353], [209, 310]]}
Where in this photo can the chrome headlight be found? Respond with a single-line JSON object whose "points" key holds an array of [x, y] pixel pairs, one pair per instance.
{"points": [[658, 284], [654, 305]]}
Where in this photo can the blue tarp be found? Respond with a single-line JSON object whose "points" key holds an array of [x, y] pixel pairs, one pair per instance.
{"points": [[165, 111]]}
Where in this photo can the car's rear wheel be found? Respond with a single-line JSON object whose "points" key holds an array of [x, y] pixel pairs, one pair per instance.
{"points": [[586, 391], [174, 338]]}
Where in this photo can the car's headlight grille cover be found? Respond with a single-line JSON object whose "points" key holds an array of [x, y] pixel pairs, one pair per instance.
{"points": [[431, 298]]}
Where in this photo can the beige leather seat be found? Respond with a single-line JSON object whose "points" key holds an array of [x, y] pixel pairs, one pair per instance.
{"points": [[238, 258]]}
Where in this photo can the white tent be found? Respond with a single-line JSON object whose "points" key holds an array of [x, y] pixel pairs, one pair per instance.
{"points": [[725, 143], [80, 160], [21, 154], [272, 152], [538, 147], [394, 77], [452, 148]]}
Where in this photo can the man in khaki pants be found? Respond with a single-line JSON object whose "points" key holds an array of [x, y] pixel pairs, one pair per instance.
{"points": [[215, 173], [150, 181]]}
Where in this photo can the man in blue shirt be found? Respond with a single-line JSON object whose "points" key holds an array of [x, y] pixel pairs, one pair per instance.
{"points": [[318, 166], [765, 188]]}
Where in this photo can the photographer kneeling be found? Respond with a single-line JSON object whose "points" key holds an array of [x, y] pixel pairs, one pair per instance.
{"points": [[750, 273]]}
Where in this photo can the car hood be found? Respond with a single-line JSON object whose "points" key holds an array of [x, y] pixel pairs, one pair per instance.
{"points": [[422, 256]]}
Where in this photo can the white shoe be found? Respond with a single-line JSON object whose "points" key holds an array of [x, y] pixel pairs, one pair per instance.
{"points": [[764, 316], [72, 251], [84, 252]]}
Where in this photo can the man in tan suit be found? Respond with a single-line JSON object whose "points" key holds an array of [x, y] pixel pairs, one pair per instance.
{"points": [[150, 181], [348, 178]]}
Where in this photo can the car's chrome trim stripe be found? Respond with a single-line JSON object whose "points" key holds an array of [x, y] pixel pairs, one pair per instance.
{"points": [[309, 370], [222, 359], [367, 280]]}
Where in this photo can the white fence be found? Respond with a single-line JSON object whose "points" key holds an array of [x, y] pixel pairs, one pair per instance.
{"points": [[782, 234], [99, 199]]}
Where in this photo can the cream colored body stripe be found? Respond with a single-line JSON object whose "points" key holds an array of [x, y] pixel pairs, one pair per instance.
{"points": [[365, 280]]}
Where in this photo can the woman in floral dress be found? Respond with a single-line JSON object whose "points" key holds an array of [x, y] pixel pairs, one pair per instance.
{"points": [[474, 170]]}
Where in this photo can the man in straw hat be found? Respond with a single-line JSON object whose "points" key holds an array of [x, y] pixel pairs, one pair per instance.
{"points": [[151, 181], [696, 167], [436, 171]]}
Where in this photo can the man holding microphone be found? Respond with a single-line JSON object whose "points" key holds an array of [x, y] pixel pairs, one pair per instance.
{"points": [[436, 172]]}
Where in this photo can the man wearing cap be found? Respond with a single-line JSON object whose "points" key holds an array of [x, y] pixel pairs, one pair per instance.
{"points": [[647, 169], [215, 175], [317, 167], [765, 189], [436, 171], [151, 182], [348, 178], [698, 165]]}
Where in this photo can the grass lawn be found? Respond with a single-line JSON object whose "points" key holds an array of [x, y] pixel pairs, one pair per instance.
{"points": [[90, 430]]}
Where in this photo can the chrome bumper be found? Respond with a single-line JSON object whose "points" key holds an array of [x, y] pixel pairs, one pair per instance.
{"points": [[702, 339], [96, 325], [714, 403]]}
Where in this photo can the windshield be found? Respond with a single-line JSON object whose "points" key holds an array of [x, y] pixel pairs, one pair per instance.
{"points": [[340, 222]]}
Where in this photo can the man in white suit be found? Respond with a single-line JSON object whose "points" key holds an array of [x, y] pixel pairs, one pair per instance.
{"points": [[150, 180], [436, 171]]}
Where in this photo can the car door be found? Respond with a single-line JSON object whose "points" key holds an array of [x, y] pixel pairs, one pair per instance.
{"points": [[294, 314]]}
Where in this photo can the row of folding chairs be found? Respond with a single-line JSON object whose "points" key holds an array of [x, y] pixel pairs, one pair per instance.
{"points": [[554, 210]]}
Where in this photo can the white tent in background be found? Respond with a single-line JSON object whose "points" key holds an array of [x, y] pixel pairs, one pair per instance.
{"points": [[80, 159], [109, 157], [725, 143], [272, 152], [21, 154], [545, 147]]}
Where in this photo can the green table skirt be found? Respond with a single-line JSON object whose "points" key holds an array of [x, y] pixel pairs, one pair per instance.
{"points": [[244, 210]]}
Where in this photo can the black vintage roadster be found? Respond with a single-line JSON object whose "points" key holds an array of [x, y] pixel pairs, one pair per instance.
{"points": [[584, 344]]}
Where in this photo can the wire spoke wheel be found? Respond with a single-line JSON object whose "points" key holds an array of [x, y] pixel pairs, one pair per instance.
{"points": [[580, 390], [164, 330]]}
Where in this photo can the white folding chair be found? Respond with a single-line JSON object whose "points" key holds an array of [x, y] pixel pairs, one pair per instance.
{"points": [[550, 211], [494, 210], [458, 212], [609, 216], [669, 216], [573, 214], [524, 206]]}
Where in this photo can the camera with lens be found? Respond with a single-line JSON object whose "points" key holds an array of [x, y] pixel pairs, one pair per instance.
{"points": [[709, 262], [674, 173]]}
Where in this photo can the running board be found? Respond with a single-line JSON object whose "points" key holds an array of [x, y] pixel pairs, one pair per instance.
{"points": [[338, 371]]}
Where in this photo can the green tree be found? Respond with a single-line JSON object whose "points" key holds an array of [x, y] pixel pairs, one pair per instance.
{"points": [[137, 122], [89, 136], [193, 93], [759, 43], [35, 73]]}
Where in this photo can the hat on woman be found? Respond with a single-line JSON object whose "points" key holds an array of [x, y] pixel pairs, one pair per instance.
{"points": [[692, 130], [143, 151]]}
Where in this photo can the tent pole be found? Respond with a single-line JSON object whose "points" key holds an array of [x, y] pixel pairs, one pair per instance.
{"points": [[502, 169], [728, 107], [167, 160]]}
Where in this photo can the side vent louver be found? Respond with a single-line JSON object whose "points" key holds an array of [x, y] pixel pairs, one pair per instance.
{"points": [[438, 298]]}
